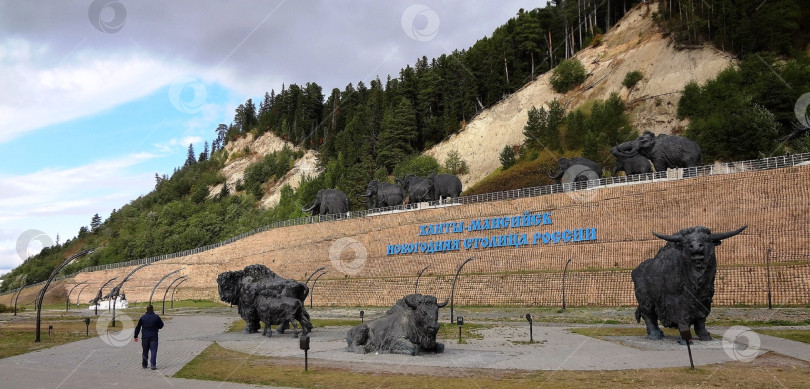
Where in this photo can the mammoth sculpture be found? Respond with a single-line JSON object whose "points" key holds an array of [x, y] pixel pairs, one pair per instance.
{"points": [[386, 194], [328, 202], [264, 296], [444, 186], [409, 327], [677, 286], [664, 151], [419, 189], [576, 169], [635, 164]]}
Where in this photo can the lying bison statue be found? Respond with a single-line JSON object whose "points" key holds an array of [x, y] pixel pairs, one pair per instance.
{"points": [[677, 286], [409, 327], [264, 296]]}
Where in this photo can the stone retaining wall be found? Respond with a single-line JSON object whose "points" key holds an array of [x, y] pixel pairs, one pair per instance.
{"points": [[774, 204]]}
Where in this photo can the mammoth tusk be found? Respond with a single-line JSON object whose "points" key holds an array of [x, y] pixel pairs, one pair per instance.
{"points": [[726, 235], [669, 238], [442, 305]]}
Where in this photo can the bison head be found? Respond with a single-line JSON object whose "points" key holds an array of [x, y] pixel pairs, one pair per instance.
{"points": [[697, 244], [229, 284], [425, 316]]}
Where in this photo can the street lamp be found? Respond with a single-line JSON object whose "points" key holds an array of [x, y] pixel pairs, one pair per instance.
{"points": [[80, 294], [117, 290], [175, 290], [312, 291], [44, 289], [97, 300], [453, 289], [163, 305], [416, 285], [67, 298], [565, 271], [158, 283], [313, 274]]}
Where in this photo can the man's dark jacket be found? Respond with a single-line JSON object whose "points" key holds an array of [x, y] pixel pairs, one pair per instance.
{"points": [[151, 323]]}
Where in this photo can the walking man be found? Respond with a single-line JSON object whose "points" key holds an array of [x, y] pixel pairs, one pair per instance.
{"points": [[151, 324]]}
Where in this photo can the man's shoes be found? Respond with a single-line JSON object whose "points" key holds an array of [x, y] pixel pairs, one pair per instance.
{"points": [[153, 367], [144, 366]]}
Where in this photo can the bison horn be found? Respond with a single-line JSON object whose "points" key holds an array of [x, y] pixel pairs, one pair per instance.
{"points": [[669, 238], [409, 303], [726, 235], [442, 305]]}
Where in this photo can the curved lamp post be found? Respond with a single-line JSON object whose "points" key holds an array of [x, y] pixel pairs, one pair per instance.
{"points": [[161, 280], [313, 274], [163, 305], [312, 292], [175, 289], [416, 285], [44, 289], [80, 294], [67, 298], [117, 290], [17, 297], [453, 289], [98, 295], [565, 271]]}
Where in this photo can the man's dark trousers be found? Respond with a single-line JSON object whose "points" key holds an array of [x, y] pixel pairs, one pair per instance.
{"points": [[149, 344]]}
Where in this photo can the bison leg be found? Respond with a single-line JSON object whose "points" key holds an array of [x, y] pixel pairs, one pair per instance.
{"points": [[701, 332], [268, 330], [651, 321], [404, 346], [283, 327]]}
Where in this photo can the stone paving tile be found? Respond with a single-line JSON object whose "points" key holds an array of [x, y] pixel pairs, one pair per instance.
{"points": [[178, 345]]}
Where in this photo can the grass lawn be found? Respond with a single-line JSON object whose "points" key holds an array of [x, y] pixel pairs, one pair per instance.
{"points": [[797, 335], [219, 364], [18, 337]]}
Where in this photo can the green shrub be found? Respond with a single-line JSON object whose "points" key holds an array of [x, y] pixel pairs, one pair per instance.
{"points": [[632, 78], [419, 165], [567, 75], [455, 165]]}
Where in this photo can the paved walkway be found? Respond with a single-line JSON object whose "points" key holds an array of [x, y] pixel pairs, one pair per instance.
{"points": [[94, 363]]}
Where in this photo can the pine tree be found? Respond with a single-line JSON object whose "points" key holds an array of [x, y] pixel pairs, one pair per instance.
{"points": [[190, 157], [95, 222], [397, 135], [204, 154]]}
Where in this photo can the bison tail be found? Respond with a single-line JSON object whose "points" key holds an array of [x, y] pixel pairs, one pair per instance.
{"points": [[638, 316]]}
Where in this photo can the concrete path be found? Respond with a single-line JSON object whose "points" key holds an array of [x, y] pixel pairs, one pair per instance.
{"points": [[96, 363], [92, 363]]}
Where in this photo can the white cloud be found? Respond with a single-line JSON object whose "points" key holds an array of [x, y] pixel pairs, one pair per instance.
{"points": [[83, 83]]}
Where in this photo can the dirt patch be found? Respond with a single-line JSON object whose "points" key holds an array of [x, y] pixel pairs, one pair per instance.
{"points": [[636, 43]]}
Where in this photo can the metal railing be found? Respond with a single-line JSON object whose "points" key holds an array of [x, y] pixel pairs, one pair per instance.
{"points": [[668, 175]]}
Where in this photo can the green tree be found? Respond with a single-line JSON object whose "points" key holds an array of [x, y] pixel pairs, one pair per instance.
{"points": [[542, 129], [95, 222], [507, 157], [191, 159], [397, 134]]}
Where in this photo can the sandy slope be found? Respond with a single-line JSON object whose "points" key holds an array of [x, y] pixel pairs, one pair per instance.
{"points": [[636, 43], [234, 170]]}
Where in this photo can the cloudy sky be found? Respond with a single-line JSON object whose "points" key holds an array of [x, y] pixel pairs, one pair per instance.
{"points": [[98, 96]]}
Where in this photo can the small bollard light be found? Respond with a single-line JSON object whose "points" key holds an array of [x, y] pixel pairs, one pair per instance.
{"points": [[87, 326], [529, 318], [361, 316], [460, 321], [303, 343], [50, 327]]}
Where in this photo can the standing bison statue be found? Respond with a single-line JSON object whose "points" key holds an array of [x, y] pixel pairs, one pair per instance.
{"points": [[264, 296], [409, 327], [677, 286]]}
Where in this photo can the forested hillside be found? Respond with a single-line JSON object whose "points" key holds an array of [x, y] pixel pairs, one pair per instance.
{"points": [[373, 131]]}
